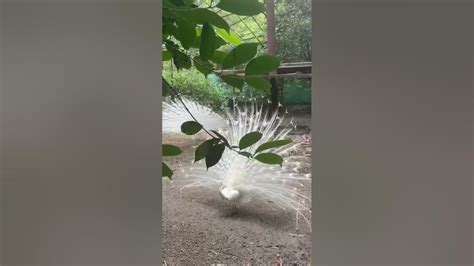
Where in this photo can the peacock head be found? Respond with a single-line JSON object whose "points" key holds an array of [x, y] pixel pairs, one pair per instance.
{"points": [[229, 193]]}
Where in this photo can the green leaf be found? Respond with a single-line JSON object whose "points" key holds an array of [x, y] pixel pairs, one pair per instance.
{"points": [[259, 83], [203, 16], [203, 66], [179, 3], [186, 33], [269, 158], [171, 150], [166, 55], [166, 171], [240, 54], [197, 43], [198, 31], [191, 127], [188, 2], [221, 137], [233, 80], [181, 60], [242, 7], [214, 155], [229, 37], [219, 42], [262, 65], [203, 149], [273, 144], [168, 29], [249, 139], [208, 42], [218, 57], [167, 14], [167, 3]]}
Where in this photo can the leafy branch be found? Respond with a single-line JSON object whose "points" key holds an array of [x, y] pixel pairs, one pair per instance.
{"points": [[203, 29], [255, 70], [218, 141]]}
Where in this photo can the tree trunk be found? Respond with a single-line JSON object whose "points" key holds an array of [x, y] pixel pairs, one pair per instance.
{"points": [[272, 47]]}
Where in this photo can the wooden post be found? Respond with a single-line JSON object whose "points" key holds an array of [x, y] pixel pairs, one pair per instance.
{"points": [[272, 46]]}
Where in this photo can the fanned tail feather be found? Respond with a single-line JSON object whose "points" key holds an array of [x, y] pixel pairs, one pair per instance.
{"points": [[280, 186], [174, 114]]}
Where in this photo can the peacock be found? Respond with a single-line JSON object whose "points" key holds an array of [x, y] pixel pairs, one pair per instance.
{"points": [[241, 180]]}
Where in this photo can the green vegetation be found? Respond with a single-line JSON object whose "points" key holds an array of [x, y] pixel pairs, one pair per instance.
{"points": [[193, 84], [197, 38], [294, 30], [210, 90]]}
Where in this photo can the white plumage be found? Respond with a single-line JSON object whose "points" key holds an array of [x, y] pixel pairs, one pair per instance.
{"points": [[229, 193], [240, 180], [174, 114]]}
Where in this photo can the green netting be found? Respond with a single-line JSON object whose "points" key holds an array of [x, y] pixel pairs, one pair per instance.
{"points": [[296, 92]]}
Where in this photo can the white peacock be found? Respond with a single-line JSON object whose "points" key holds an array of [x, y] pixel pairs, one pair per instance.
{"points": [[241, 180]]}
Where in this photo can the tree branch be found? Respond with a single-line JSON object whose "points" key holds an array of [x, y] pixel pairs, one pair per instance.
{"points": [[194, 118]]}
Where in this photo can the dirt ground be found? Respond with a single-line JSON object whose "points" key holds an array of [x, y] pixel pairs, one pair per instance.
{"points": [[200, 228]]}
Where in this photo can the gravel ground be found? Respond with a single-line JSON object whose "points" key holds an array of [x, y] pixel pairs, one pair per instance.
{"points": [[199, 228]]}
